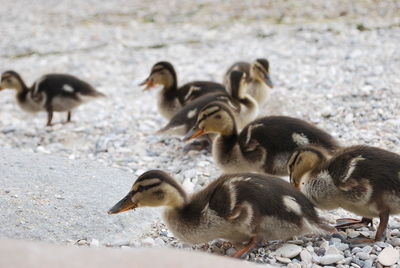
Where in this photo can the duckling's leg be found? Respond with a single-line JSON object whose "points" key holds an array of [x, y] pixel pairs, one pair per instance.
{"points": [[49, 116], [383, 222], [252, 244], [69, 116], [347, 222]]}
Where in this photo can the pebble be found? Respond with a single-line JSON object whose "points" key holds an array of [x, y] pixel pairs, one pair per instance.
{"points": [[353, 234], [305, 256], [288, 251], [362, 255], [230, 251], [332, 250], [148, 242], [388, 256], [330, 259], [94, 243], [282, 259]]}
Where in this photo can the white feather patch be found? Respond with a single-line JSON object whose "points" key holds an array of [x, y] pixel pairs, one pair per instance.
{"points": [[249, 131], [352, 166], [68, 88], [192, 113], [190, 91], [291, 204], [300, 139]]}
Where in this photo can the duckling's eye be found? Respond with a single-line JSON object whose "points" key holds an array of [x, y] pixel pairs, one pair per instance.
{"points": [[140, 188]]}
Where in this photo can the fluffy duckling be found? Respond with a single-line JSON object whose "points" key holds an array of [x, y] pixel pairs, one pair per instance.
{"points": [[240, 208], [51, 93], [263, 146], [361, 179], [258, 79], [172, 98], [244, 107]]}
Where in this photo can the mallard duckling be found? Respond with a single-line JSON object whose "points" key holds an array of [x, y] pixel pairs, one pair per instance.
{"points": [[244, 107], [237, 207], [172, 98], [263, 146], [259, 81], [361, 179], [51, 93]]}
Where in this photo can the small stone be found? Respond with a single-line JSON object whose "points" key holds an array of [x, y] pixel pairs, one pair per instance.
{"points": [[288, 251], [82, 242], [356, 250], [362, 256], [368, 263], [159, 242], [342, 246], [282, 259], [381, 244], [332, 250], [394, 232], [324, 244], [95, 243], [294, 265], [320, 251], [394, 241], [355, 265], [148, 242], [230, 251], [367, 249], [305, 256], [353, 234], [330, 259], [388, 256]]}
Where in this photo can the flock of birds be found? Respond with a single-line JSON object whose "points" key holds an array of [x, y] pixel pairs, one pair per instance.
{"points": [[249, 204]]}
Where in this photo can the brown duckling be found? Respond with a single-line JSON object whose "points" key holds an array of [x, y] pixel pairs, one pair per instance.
{"points": [[50, 93], [244, 107], [258, 78], [242, 208], [263, 146], [172, 98], [361, 179]]}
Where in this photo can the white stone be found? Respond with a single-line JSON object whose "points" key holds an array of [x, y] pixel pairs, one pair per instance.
{"points": [[325, 244], [288, 251], [148, 242], [330, 259], [283, 259], [353, 234], [94, 243], [363, 256], [332, 250], [388, 256], [306, 256]]}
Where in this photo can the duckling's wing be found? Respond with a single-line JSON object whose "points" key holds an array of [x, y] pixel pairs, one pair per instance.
{"points": [[187, 116], [193, 90], [360, 168], [63, 85]]}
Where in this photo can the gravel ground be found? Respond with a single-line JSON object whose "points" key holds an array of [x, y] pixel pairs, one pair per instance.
{"points": [[334, 63]]}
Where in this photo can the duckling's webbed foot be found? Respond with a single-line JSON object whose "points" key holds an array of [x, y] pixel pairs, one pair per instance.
{"points": [[252, 244], [344, 223]]}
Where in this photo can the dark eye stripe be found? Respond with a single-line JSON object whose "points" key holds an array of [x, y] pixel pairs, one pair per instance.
{"points": [[208, 115], [142, 188]]}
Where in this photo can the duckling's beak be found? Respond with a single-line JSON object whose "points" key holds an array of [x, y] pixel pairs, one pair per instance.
{"points": [[149, 84], [193, 133], [123, 205], [267, 80]]}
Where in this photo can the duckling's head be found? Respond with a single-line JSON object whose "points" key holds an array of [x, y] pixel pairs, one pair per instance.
{"points": [[12, 80], [215, 117], [260, 71], [303, 161], [153, 188], [162, 73], [237, 84]]}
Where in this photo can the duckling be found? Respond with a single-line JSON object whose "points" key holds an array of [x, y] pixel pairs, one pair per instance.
{"points": [[172, 98], [361, 179], [244, 107], [237, 207], [259, 81], [263, 146], [51, 93]]}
